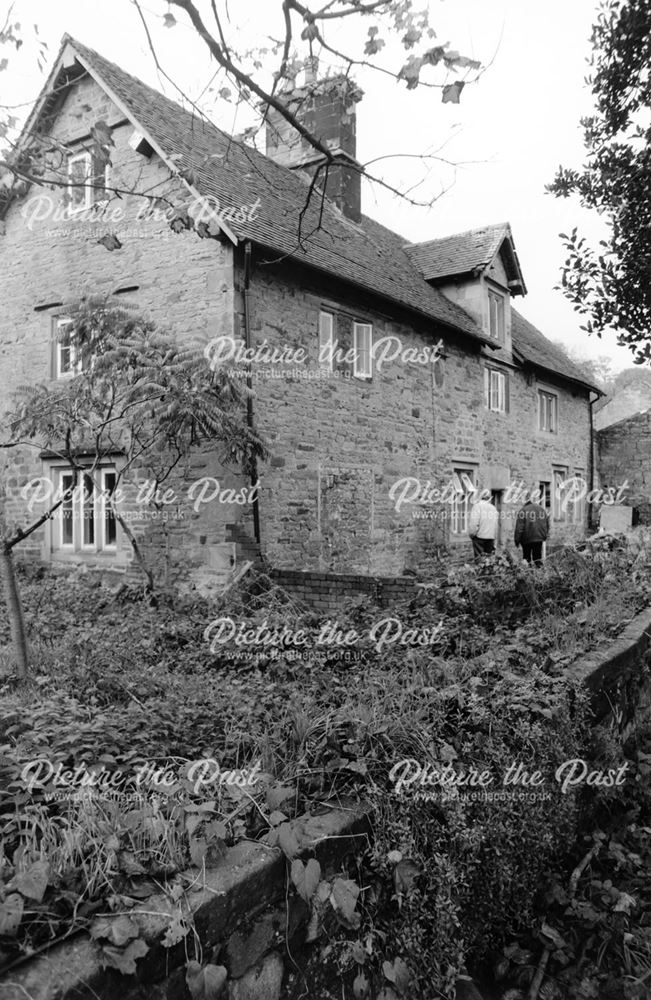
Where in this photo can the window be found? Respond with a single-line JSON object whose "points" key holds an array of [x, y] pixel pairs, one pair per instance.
{"points": [[66, 362], [326, 339], [85, 521], [547, 412], [345, 344], [463, 480], [363, 345], [545, 490], [558, 507], [575, 507], [495, 315], [496, 390], [87, 181]]}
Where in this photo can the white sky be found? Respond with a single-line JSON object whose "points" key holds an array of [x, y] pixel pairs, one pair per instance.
{"points": [[516, 124]]}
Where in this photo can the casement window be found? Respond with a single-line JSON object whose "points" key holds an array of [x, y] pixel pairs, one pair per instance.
{"points": [[345, 344], [326, 339], [575, 507], [66, 362], [463, 480], [496, 315], [496, 390], [545, 494], [87, 181], [85, 522], [363, 347], [558, 494], [547, 412]]}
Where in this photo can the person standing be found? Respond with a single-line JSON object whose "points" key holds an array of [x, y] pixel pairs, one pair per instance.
{"points": [[531, 530], [482, 527]]}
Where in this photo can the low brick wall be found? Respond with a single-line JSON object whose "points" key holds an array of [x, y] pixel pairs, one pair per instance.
{"points": [[329, 592]]}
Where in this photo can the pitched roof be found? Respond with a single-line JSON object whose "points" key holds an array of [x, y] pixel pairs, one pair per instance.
{"points": [[465, 252], [534, 348], [368, 255]]}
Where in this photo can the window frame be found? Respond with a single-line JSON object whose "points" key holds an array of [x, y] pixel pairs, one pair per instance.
{"points": [[366, 353], [545, 490], [91, 194], [547, 396], [502, 391], [499, 299], [78, 504], [576, 510], [328, 361], [460, 512], [559, 513], [75, 364]]}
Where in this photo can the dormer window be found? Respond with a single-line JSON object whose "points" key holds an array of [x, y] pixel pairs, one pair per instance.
{"points": [[496, 315], [87, 181]]}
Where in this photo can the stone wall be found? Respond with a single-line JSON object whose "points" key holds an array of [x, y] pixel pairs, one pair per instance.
{"points": [[182, 283], [340, 444], [241, 915], [624, 453]]}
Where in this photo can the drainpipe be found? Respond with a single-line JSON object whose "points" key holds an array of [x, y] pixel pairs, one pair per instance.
{"points": [[592, 448], [249, 385]]}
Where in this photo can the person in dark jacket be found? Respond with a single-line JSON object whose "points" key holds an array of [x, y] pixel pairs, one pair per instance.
{"points": [[531, 530]]}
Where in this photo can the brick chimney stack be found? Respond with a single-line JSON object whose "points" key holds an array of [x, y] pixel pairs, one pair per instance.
{"points": [[327, 109]]}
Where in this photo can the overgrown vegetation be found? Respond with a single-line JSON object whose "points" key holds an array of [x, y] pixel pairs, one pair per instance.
{"points": [[124, 684]]}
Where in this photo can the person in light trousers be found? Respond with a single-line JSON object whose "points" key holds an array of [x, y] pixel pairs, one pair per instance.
{"points": [[482, 527]]}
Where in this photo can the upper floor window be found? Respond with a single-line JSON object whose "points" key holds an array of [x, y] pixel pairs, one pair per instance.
{"points": [[363, 346], [87, 181], [547, 411], [496, 390], [326, 339], [66, 361], [345, 345], [496, 315]]}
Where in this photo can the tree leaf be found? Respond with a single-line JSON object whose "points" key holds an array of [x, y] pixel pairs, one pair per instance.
{"points": [[176, 931], [452, 92], [110, 241], [117, 930], [287, 841], [205, 983], [360, 986], [124, 960], [32, 882], [198, 848], [306, 877], [11, 913], [397, 972], [343, 897]]}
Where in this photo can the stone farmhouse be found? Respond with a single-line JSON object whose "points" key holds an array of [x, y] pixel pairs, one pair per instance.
{"points": [[404, 367]]}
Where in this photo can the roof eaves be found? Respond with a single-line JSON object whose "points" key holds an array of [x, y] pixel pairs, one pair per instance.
{"points": [[528, 363]]}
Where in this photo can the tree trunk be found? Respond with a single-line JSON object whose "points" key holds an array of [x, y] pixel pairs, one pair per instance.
{"points": [[136, 550], [14, 610]]}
